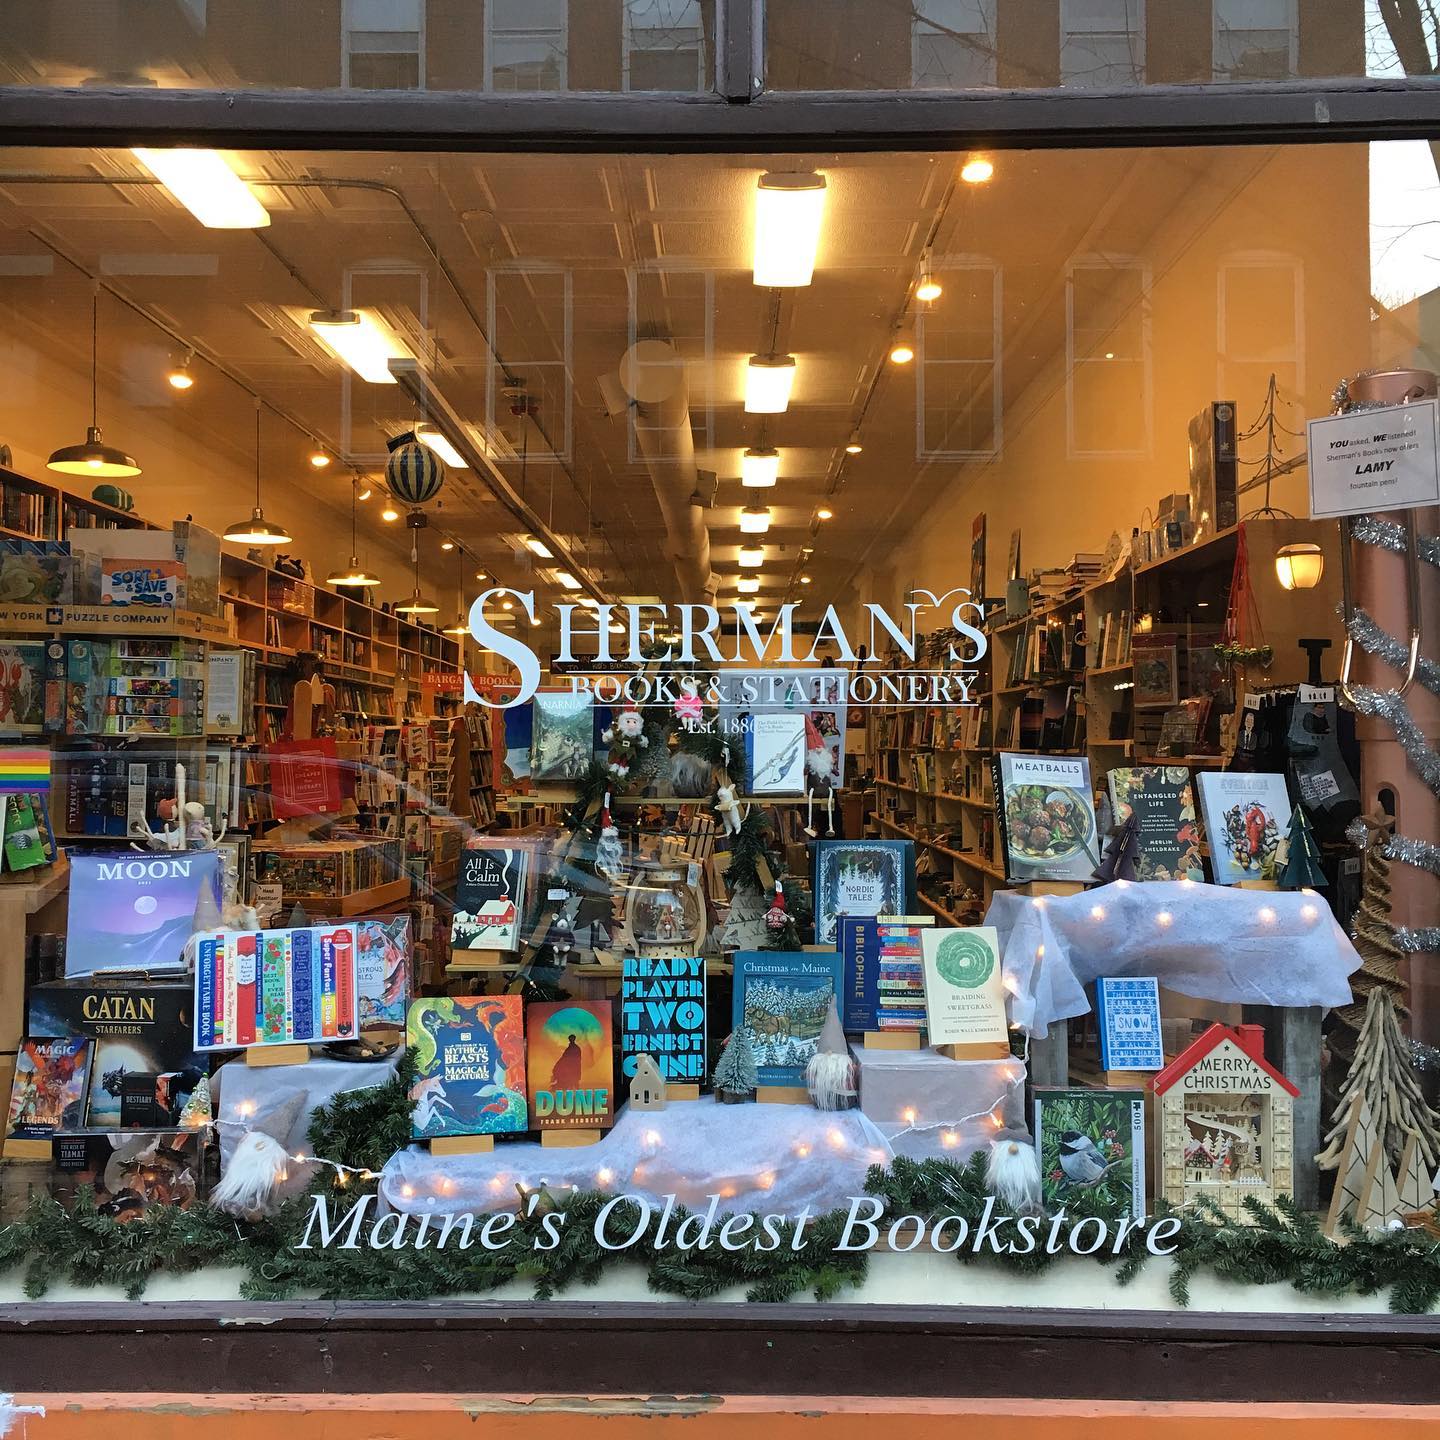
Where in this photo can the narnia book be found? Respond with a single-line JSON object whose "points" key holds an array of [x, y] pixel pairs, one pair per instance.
{"points": [[1091, 1145], [781, 999], [48, 1093], [572, 1064], [469, 1053], [1246, 814], [489, 898], [562, 742], [133, 910], [662, 1015], [964, 986], [1047, 817], [861, 877], [1162, 799]]}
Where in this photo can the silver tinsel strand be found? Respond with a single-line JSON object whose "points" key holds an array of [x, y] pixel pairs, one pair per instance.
{"points": [[1393, 710], [1420, 853], [1418, 942], [1384, 646], [1387, 535]]}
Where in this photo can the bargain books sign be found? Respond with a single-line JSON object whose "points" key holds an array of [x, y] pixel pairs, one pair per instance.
{"points": [[660, 646]]}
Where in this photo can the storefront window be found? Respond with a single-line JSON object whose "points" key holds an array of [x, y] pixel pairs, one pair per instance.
{"points": [[524, 745]]}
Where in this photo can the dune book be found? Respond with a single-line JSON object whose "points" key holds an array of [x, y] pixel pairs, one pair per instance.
{"points": [[572, 1064]]}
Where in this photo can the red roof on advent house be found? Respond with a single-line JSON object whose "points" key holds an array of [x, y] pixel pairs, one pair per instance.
{"points": [[1249, 1039]]}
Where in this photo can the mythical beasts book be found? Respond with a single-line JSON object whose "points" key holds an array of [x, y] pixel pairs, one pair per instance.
{"points": [[469, 1053], [572, 1064]]}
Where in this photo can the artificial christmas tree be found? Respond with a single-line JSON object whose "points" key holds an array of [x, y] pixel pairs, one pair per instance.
{"points": [[1302, 869], [735, 1077], [1118, 862]]}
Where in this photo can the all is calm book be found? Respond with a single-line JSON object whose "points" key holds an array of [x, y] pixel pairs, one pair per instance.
{"points": [[1047, 817], [781, 999], [572, 1064], [1091, 1145], [469, 1053], [489, 898], [1162, 799], [861, 877], [1247, 813]]}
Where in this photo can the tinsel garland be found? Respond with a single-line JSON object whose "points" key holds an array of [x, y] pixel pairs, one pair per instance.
{"points": [[1384, 646], [1389, 535], [1420, 853], [1391, 708], [78, 1245]]}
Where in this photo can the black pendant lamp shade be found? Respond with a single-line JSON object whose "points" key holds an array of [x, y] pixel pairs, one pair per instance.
{"points": [[257, 530], [94, 458]]}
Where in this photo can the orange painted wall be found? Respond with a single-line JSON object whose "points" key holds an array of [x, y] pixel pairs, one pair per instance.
{"points": [[158, 1416]]}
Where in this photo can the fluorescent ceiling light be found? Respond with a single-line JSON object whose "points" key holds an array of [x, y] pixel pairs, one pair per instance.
{"points": [[768, 379], [567, 579], [203, 182], [752, 556], [364, 343], [759, 468], [788, 213], [440, 444], [748, 584], [539, 547], [754, 520]]}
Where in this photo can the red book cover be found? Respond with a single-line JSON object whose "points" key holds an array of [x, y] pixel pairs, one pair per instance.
{"points": [[246, 987]]}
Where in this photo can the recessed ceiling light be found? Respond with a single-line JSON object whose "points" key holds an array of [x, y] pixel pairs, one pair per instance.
{"points": [[429, 436], [752, 556], [768, 381], [203, 182], [789, 210], [507, 604], [754, 520], [759, 468], [567, 580], [976, 170], [804, 579], [539, 547], [447, 544], [824, 513]]}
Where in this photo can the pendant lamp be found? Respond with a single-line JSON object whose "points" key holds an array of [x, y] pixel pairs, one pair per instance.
{"points": [[461, 627], [257, 530], [417, 604], [355, 575], [94, 457]]}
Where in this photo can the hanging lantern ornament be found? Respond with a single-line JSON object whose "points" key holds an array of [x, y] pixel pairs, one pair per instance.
{"points": [[775, 916], [414, 472]]}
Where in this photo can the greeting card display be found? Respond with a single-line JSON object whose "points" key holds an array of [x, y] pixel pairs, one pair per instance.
{"points": [[861, 877], [133, 910], [662, 1015], [1246, 813], [781, 1000], [469, 1053], [571, 1064], [489, 898], [275, 987]]}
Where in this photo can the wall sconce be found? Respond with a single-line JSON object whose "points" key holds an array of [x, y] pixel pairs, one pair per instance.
{"points": [[1299, 567]]}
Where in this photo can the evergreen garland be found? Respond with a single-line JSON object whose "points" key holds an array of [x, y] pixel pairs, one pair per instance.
{"points": [[362, 1128]]}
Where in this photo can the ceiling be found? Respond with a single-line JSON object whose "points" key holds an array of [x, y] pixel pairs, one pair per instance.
{"points": [[544, 269]]}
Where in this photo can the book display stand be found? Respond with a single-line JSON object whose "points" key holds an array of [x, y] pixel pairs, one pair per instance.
{"points": [[462, 1144], [570, 1139], [782, 1095], [891, 1040], [260, 1057]]}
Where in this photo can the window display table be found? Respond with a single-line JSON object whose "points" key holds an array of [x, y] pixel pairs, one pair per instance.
{"points": [[929, 1107], [763, 1158]]}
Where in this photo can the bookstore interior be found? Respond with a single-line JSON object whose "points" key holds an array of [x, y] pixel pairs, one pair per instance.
{"points": [[766, 718]]}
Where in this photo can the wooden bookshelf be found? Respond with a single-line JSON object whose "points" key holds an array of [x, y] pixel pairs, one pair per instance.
{"points": [[38, 510]]}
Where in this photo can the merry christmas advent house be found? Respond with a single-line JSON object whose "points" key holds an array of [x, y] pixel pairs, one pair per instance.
{"points": [[1225, 1122]]}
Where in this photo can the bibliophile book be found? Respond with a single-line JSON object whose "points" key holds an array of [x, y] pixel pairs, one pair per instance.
{"points": [[133, 911], [383, 950], [781, 998], [143, 1064], [48, 1091], [562, 741], [1047, 817], [1246, 815], [275, 987], [1127, 1010], [882, 972], [858, 945], [662, 1015], [489, 898], [964, 986], [1091, 1145], [571, 1063], [1162, 799], [861, 877], [469, 1053]]}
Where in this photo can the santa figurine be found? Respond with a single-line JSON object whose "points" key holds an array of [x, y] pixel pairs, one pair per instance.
{"points": [[626, 739], [776, 917], [819, 765]]}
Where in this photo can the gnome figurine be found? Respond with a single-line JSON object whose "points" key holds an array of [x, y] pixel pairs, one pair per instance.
{"points": [[830, 1075]]}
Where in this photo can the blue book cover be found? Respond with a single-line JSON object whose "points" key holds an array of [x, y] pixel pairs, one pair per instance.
{"points": [[134, 910], [1128, 1012], [861, 877], [859, 973], [781, 1000]]}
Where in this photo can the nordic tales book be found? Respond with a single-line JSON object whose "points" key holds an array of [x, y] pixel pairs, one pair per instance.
{"points": [[489, 898], [572, 1064], [469, 1053], [861, 877], [782, 998]]}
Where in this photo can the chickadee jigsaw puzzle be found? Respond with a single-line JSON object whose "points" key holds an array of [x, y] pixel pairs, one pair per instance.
{"points": [[1091, 1145]]}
